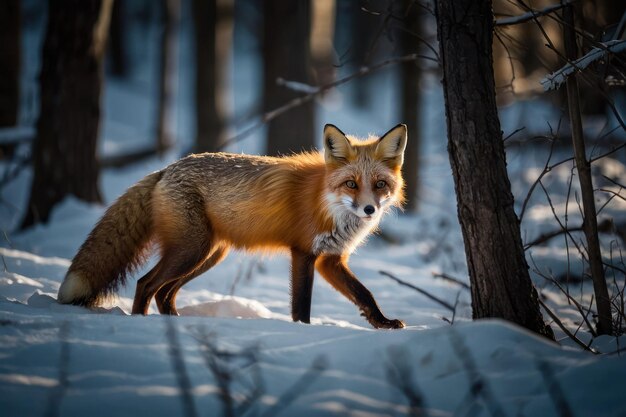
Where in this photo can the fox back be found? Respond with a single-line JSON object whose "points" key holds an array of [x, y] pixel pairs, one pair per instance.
{"points": [[319, 203]]}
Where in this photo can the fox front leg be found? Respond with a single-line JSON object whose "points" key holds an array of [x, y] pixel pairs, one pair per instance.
{"points": [[334, 269], [302, 269]]}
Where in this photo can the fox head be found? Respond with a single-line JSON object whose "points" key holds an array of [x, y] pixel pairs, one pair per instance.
{"points": [[363, 176]]}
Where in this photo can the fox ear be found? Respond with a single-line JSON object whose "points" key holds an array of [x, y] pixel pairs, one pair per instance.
{"points": [[392, 144], [337, 147]]}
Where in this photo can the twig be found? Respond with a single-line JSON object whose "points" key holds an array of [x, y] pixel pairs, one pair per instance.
{"points": [[544, 237], [547, 168], [421, 291], [523, 18], [513, 133], [583, 314], [449, 278], [564, 329], [604, 226]]}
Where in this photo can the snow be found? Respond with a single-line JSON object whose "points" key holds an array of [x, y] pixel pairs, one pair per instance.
{"points": [[66, 360]]}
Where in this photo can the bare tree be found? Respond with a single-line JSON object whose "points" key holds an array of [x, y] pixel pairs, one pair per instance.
{"points": [[286, 55], [10, 39], [411, 75], [64, 154], [583, 166], [500, 282], [169, 16], [117, 38], [213, 25]]}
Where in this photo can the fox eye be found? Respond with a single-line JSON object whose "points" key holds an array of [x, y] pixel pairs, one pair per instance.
{"points": [[350, 184], [381, 184]]}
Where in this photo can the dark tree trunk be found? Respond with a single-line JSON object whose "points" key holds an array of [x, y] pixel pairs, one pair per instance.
{"points": [[117, 39], [169, 16], [501, 286], [64, 154], [583, 167], [365, 27], [411, 75], [286, 54], [213, 20], [10, 46]]}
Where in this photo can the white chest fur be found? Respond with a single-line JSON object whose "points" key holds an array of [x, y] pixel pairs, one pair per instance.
{"points": [[348, 232]]}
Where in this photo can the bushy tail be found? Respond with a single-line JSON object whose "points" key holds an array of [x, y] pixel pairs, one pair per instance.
{"points": [[114, 247]]}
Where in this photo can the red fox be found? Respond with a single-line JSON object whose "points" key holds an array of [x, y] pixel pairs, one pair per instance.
{"points": [[320, 207]]}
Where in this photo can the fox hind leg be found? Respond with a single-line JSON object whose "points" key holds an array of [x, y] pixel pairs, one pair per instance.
{"points": [[166, 296], [186, 241], [176, 263]]}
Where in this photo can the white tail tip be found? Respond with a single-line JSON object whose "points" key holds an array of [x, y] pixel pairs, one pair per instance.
{"points": [[73, 288]]}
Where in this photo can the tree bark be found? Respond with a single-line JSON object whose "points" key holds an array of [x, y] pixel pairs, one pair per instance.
{"points": [[583, 166], [64, 154], [500, 283], [286, 54], [213, 20], [10, 54], [411, 76]]}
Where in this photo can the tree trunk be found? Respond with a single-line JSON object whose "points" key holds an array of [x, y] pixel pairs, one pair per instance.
{"points": [[169, 16], [411, 75], [365, 26], [64, 154], [583, 166], [286, 54], [501, 286], [117, 40], [10, 48], [213, 20]]}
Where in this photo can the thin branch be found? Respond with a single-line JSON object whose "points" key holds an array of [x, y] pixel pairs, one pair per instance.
{"points": [[547, 168], [421, 291], [605, 226], [531, 15], [564, 329], [449, 278]]}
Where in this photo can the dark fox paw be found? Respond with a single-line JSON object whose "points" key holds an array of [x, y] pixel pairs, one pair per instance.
{"points": [[385, 323]]}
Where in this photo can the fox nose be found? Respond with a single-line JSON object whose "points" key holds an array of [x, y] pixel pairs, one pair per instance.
{"points": [[369, 210]]}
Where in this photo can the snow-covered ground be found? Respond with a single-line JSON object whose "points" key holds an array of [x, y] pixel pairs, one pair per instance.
{"points": [[69, 361]]}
